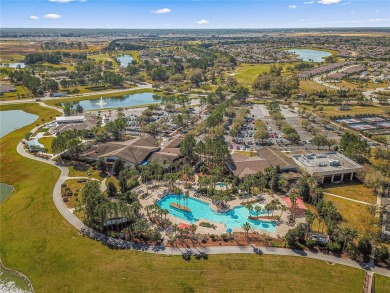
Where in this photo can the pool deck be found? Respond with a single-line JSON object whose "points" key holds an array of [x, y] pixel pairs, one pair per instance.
{"points": [[157, 193]]}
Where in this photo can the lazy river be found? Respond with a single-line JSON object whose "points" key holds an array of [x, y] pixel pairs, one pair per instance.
{"points": [[201, 210]]}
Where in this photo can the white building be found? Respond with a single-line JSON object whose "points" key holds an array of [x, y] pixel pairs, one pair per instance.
{"points": [[329, 167]]}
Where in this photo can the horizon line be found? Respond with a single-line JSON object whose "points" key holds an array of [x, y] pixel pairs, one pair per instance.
{"points": [[204, 28]]}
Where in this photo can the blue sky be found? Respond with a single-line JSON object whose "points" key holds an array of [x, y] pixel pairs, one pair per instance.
{"points": [[194, 13]]}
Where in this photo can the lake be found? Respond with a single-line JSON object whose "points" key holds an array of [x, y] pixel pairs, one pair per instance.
{"points": [[13, 64], [310, 55], [5, 191], [125, 60], [124, 101], [14, 119]]}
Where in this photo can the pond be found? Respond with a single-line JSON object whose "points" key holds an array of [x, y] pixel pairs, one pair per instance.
{"points": [[201, 210], [125, 60], [13, 64], [120, 101], [310, 55], [14, 119], [5, 191]]}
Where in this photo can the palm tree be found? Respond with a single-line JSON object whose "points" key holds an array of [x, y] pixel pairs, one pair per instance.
{"points": [[246, 228], [310, 217], [283, 209], [175, 228], [249, 207], [193, 228], [258, 210], [186, 196]]}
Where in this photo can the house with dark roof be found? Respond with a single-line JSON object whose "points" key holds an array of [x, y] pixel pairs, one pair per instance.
{"points": [[135, 152]]}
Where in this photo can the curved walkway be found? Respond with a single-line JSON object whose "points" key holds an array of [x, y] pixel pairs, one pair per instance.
{"points": [[79, 225]]}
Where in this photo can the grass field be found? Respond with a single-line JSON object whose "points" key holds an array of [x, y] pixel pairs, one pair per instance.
{"points": [[382, 284], [21, 92], [353, 191], [332, 110], [355, 215], [46, 141], [247, 73], [37, 241], [80, 172], [75, 187], [309, 85]]}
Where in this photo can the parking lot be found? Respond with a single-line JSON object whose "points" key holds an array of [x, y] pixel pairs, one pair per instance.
{"points": [[245, 140]]}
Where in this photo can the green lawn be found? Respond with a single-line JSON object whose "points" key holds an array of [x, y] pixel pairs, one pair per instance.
{"points": [[37, 241], [76, 188], [309, 85], [21, 92], [354, 191], [382, 284], [46, 141], [113, 180], [80, 171], [333, 111], [355, 215], [247, 73]]}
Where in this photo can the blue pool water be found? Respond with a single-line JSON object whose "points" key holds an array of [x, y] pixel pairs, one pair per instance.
{"points": [[201, 210], [220, 184]]}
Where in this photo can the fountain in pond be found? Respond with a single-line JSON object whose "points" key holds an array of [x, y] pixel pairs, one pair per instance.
{"points": [[101, 103]]}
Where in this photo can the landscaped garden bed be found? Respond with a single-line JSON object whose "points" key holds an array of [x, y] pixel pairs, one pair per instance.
{"points": [[263, 218], [180, 207]]}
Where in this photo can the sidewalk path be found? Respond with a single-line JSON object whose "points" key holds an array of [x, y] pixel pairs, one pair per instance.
{"points": [[75, 222]]}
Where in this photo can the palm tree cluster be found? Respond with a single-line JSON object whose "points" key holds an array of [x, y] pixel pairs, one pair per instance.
{"points": [[118, 219], [157, 215]]}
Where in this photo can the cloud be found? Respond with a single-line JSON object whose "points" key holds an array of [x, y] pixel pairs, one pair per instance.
{"points": [[292, 6], [379, 19], [161, 11], [327, 2], [52, 16], [34, 17], [202, 21], [308, 3], [345, 3]]}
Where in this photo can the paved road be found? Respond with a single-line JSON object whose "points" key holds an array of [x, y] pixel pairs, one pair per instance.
{"points": [[23, 101]]}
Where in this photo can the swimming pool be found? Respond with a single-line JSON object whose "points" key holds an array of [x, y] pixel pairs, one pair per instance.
{"points": [[201, 210]]}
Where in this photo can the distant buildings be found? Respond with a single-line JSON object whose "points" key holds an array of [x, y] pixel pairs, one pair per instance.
{"points": [[6, 88]]}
